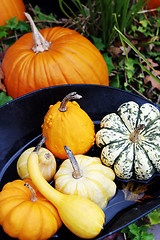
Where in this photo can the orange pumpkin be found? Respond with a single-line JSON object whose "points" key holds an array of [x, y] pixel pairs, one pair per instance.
{"points": [[10, 9], [25, 213], [152, 4], [57, 56]]}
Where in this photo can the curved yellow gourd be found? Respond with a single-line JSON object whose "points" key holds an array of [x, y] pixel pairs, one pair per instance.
{"points": [[81, 216]]}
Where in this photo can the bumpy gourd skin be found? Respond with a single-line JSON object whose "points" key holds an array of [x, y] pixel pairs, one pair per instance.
{"points": [[73, 128], [23, 218]]}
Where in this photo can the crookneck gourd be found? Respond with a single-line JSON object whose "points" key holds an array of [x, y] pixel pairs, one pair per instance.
{"points": [[66, 123], [25, 213], [87, 177], [130, 140]]}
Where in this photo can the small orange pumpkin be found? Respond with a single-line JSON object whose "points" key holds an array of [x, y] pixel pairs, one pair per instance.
{"points": [[53, 56], [10, 9], [152, 4], [25, 213], [67, 124]]}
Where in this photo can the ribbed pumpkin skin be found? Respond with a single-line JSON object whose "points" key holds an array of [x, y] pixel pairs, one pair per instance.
{"points": [[24, 219], [10, 9], [71, 59], [73, 128]]}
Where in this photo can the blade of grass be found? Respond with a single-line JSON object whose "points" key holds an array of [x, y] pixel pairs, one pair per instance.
{"points": [[61, 2], [107, 22], [147, 71], [79, 6], [138, 53], [133, 11], [124, 14], [123, 44]]}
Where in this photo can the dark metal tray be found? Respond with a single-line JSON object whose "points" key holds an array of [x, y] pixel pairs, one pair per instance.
{"points": [[20, 128]]}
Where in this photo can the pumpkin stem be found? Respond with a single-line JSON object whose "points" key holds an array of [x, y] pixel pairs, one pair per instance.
{"points": [[76, 170], [33, 197], [135, 136], [70, 96], [39, 43], [36, 149]]}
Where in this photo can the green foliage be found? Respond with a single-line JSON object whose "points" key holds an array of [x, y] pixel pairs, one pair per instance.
{"points": [[135, 232], [4, 98], [41, 16], [109, 62], [14, 29], [154, 216], [138, 231], [13, 24], [98, 43], [95, 20]]}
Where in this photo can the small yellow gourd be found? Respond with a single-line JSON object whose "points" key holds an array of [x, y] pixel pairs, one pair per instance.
{"points": [[46, 160], [80, 215], [87, 177]]}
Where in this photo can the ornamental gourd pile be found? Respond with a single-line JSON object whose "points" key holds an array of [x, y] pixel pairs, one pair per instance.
{"points": [[53, 56], [130, 142], [82, 214]]}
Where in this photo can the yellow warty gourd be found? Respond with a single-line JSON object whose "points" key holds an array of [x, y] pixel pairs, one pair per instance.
{"points": [[66, 123], [80, 215]]}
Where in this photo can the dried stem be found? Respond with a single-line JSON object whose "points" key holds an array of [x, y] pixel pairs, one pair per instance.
{"points": [[76, 170], [33, 197], [70, 96], [39, 43], [135, 136]]}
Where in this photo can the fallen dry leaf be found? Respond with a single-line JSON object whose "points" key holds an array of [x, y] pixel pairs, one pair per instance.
{"points": [[135, 192], [149, 78], [154, 83], [2, 86], [3, 52], [115, 51]]}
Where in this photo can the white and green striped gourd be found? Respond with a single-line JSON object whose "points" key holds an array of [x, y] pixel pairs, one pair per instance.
{"points": [[130, 141]]}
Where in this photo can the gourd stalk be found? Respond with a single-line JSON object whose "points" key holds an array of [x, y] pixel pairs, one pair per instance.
{"points": [[76, 170], [70, 96], [33, 197], [135, 136]]}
